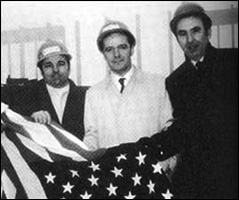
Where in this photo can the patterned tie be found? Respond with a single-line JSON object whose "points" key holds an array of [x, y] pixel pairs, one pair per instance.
{"points": [[121, 81]]}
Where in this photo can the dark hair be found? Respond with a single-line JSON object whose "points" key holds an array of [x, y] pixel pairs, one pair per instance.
{"points": [[190, 10], [130, 38], [67, 58]]}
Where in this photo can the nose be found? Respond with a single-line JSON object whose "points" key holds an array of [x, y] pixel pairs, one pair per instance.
{"points": [[55, 68], [116, 53], [190, 38]]}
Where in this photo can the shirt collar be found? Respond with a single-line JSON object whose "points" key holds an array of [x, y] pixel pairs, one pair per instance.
{"points": [[58, 91], [127, 76], [195, 62]]}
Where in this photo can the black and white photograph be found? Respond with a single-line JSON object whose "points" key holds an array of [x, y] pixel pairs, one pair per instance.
{"points": [[119, 99]]}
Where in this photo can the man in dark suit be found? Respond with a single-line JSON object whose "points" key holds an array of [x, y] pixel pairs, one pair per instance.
{"points": [[203, 92], [56, 97]]}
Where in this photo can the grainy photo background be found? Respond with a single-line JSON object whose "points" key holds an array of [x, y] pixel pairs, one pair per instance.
{"points": [[25, 26]]}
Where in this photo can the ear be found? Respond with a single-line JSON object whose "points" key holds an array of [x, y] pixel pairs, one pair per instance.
{"points": [[132, 51], [209, 33]]}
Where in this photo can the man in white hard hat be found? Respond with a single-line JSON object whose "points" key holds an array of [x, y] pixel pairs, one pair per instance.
{"points": [[56, 97], [129, 103]]}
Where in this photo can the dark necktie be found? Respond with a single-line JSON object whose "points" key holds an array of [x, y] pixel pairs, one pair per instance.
{"points": [[121, 81], [199, 65]]}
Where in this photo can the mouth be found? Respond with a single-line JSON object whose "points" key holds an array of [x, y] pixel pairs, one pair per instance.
{"points": [[55, 76], [192, 48], [117, 61]]}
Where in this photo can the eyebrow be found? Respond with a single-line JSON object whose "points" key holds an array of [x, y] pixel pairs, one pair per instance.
{"points": [[195, 28]]}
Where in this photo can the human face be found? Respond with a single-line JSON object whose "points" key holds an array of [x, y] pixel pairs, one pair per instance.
{"points": [[55, 71], [192, 37], [117, 52]]}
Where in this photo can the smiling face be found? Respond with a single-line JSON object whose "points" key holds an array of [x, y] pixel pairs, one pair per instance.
{"points": [[192, 37], [117, 52], [55, 71]]}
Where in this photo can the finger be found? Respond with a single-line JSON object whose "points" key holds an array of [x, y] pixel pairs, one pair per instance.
{"points": [[36, 118], [48, 117], [40, 118]]}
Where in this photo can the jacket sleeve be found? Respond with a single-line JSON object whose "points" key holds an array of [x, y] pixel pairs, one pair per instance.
{"points": [[91, 134]]}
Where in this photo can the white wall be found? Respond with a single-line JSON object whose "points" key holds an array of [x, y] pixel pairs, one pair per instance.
{"points": [[92, 15]]}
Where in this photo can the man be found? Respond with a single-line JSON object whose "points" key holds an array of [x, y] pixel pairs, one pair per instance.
{"points": [[56, 97], [128, 104], [203, 92]]}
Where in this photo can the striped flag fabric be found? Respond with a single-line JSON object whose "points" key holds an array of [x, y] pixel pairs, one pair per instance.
{"points": [[46, 162]]}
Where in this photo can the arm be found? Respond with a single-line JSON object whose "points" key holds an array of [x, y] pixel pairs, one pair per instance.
{"points": [[91, 135]]}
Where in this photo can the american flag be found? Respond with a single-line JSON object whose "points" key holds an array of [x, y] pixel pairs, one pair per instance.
{"points": [[44, 162]]}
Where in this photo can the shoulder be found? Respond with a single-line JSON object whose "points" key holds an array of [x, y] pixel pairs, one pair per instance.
{"points": [[39, 87], [151, 82], [81, 89], [78, 92], [176, 74], [228, 56], [230, 52], [150, 77], [98, 88]]}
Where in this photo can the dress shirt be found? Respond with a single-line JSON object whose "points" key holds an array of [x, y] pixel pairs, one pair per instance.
{"points": [[58, 98]]}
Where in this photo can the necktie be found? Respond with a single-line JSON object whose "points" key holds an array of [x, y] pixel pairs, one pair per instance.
{"points": [[199, 65], [121, 81]]}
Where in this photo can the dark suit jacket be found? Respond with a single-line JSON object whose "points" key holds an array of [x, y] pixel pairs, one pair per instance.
{"points": [[206, 101], [73, 118]]}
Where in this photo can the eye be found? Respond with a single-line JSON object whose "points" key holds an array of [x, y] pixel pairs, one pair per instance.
{"points": [[61, 63], [123, 46], [196, 30], [48, 65], [108, 49], [181, 33]]}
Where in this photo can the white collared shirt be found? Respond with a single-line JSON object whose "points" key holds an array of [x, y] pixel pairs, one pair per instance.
{"points": [[195, 62], [59, 97], [127, 77]]}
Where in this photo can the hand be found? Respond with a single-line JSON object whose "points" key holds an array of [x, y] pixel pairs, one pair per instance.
{"points": [[42, 117]]}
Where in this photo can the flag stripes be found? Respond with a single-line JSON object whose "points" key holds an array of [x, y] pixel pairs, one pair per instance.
{"points": [[63, 167]]}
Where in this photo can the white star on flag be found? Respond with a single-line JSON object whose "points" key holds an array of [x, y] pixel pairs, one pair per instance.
{"points": [[130, 196], [68, 187], [117, 172], [136, 179], [121, 157], [141, 158], [93, 180], [151, 187], [167, 195], [50, 178], [74, 173], [157, 168], [86, 195], [94, 167], [112, 190]]}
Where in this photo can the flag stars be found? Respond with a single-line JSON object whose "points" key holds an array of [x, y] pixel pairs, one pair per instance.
{"points": [[167, 195], [151, 186], [50, 178], [121, 157], [130, 196], [137, 179], [74, 173], [68, 187], [112, 190], [86, 195], [94, 167], [141, 158], [157, 168], [117, 172], [93, 180]]}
